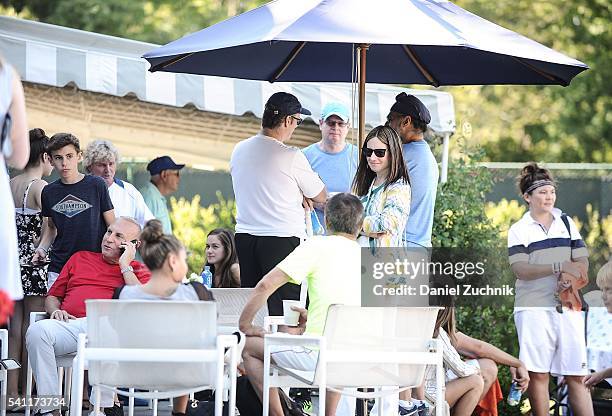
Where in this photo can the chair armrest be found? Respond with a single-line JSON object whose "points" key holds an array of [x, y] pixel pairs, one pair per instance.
{"points": [[271, 323], [38, 316], [281, 338], [227, 329], [227, 341]]}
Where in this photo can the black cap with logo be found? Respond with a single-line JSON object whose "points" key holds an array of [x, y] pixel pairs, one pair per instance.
{"points": [[285, 104]]}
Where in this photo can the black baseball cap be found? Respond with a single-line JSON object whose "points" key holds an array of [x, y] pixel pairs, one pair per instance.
{"points": [[285, 104], [159, 164], [409, 105]]}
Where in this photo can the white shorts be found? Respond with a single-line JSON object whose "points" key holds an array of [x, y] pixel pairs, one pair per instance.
{"points": [[552, 342], [297, 358]]}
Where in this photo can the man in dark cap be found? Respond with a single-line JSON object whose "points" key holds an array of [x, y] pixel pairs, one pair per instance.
{"points": [[409, 118], [271, 182], [165, 180]]}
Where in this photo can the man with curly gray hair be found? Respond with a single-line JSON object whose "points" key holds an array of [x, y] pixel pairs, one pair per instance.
{"points": [[101, 158]]}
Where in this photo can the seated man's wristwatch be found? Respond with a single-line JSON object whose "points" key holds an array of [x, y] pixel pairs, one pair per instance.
{"points": [[127, 269]]}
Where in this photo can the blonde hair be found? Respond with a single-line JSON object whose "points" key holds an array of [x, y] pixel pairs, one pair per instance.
{"points": [[156, 246], [604, 275], [99, 151]]}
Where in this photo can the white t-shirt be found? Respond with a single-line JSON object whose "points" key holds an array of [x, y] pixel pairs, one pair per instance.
{"points": [[332, 267], [270, 180], [128, 202]]}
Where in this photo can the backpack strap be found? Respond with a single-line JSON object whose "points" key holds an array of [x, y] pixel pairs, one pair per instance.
{"points": [[202, 291], [567, 225]]}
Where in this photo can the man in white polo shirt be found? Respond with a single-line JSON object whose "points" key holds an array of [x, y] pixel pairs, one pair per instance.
{"points": [[271, 183], [101, 158]]}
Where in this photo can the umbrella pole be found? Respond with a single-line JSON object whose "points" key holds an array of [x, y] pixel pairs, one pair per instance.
{"points": [[363, 49]]}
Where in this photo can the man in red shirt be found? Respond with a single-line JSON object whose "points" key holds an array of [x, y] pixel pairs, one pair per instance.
{"points": [[86, 275]]}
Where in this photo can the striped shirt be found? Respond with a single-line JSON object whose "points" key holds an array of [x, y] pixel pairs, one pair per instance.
{"points": [[528, 241], [454, 366]]}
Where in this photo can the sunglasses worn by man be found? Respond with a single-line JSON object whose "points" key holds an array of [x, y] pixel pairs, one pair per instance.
{"points": [[332, 123]]}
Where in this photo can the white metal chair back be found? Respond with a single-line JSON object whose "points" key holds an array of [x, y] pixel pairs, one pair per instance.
{"points": [[3, 371], [231, 302], [381, 331], [153, 325]]}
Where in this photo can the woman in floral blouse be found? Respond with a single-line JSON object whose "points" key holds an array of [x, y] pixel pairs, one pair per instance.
{"points": [[383, 185]]}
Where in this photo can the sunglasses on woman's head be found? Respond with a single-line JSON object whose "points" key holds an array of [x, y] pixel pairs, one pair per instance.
{"points": [[378, 152]]}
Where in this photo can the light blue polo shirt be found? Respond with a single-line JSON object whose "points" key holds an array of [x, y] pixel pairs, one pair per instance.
{"points": [[423, 170], [336, 170], [158, 205]]}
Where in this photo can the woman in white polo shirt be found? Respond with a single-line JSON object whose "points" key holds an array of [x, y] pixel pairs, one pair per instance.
{"points": [[541, 245], [271, 182]]}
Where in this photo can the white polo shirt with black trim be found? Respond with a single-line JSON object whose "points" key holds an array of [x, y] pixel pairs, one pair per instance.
{"points": [[529, 242]]}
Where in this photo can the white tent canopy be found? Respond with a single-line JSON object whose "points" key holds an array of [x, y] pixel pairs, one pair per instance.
{"points": [[56, 56]]}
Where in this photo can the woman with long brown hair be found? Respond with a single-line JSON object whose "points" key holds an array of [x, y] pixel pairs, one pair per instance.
{"points": [[383, 185], [222, 258]]}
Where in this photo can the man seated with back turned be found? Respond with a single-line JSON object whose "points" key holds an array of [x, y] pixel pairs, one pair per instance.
{"points": [[86, 275], [332, 266]]}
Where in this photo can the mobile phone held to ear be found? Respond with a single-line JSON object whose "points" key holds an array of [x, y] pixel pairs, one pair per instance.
{"points": [[10, 364], [122, 249]]}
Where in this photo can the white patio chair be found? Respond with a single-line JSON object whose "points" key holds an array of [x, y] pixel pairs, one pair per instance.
{"points": [[64, 365], [169, 348], [363, 347], [3, 371], [230, 303]]}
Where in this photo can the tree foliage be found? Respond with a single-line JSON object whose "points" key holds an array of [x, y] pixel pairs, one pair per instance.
{"points": [[512, 123], [157, 21], [548, 123], [192, 223]]}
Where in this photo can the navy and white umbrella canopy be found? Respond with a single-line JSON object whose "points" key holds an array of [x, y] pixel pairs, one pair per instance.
{"points": [[410, 42]]}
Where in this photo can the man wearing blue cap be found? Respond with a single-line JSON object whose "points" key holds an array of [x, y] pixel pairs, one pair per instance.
{"points": [[332, 157], [165, 180], [271, 182], [409, 118]]}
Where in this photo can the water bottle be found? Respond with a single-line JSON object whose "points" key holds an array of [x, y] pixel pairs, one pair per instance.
{"points": [[207, 277], [514, 395]]}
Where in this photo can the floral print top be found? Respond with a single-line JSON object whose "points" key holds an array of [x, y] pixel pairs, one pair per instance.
{"points": [[386, 210], [29, 226]]}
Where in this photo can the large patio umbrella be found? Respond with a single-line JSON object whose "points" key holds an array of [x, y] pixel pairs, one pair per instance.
{"points": [[405, 42]]}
